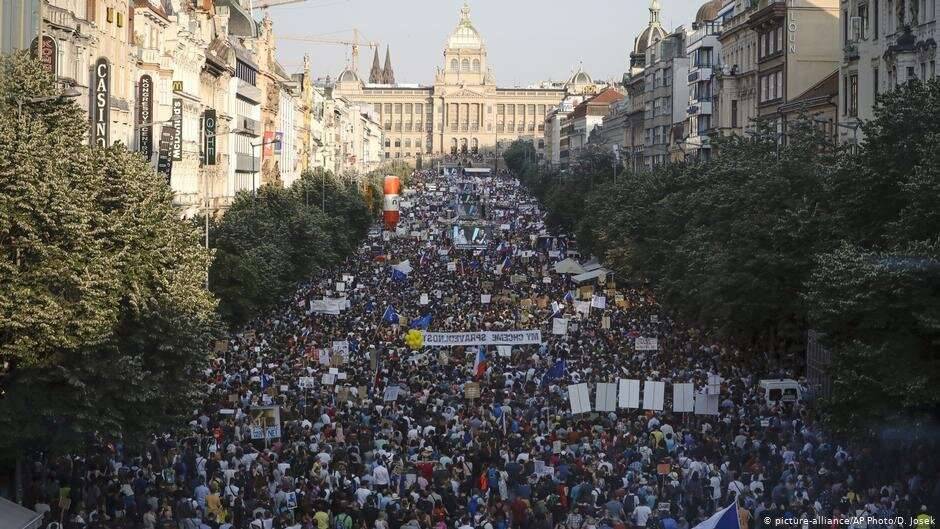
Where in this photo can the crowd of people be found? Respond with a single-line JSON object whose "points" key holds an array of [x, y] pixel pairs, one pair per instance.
{"points": [[294, 433]]}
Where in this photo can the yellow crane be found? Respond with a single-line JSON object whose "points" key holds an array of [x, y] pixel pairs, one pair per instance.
{"points": [[355, 43]]}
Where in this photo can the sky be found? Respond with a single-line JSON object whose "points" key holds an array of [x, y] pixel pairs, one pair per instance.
{"points": [[527, 41]]}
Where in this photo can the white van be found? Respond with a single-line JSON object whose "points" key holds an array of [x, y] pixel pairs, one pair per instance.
{"points": [[781, 390]]}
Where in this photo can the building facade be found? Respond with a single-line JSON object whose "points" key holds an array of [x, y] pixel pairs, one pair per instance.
{"points": [[464, 111], [736, 79], [885, 43], [703, 51]]}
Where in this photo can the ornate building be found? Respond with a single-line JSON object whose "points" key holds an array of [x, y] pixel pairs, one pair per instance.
{"points": [[463, 112]]}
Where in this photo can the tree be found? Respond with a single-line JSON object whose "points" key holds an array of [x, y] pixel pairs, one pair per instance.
{"points": [[105, 318], [266, 244]]}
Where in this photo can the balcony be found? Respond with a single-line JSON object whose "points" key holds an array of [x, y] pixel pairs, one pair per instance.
{"points": [[850, 52], [700, 106], [700, 74], [149, 56], [248, 91]]}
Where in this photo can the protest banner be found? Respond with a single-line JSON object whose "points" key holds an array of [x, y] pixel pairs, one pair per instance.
{"points": [[653, 395], [606, 398], [646, 344], [579, 399], [682, 398], [445, 339], [629, 393]]}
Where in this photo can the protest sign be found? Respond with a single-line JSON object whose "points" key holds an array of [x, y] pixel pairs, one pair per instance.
{"points": [[629, 393], [579, 399], [606, 398], [559, 326], [653, 395], [646, 344], [682, 398]]}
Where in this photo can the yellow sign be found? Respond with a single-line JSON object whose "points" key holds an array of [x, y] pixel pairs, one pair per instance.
{"points": [[177, 86]]}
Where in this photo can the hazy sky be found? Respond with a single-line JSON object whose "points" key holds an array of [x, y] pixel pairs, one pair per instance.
{"points": [[527, 40]]}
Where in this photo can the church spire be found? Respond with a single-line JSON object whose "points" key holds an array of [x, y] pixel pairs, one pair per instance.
{"points": [[388, 73], [376, 75]]}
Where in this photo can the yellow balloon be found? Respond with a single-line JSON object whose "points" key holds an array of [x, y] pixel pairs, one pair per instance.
{"points": [[414, 339]]}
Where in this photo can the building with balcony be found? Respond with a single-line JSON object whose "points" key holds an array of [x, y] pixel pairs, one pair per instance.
{"points": [[885, 43], [666, 92], [734, 105], [704, 52]]}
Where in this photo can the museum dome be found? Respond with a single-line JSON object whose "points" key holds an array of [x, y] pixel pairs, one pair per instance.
{"points": [[465, 36], [708, 11]]}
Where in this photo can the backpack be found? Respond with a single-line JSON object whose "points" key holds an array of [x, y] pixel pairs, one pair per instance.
{"points": [[340, 521]]}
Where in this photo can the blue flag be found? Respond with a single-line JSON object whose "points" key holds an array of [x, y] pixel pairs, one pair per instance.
{"points": [[568, 297], [421, 323], [390, 316], [398, 275], [555, 372]]}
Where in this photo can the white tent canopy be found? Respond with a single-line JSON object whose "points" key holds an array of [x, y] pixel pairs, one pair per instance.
{"points": [[15, 516], [568, 266], [590, 276]]}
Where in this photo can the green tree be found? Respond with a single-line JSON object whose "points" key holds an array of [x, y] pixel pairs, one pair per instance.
{"points": [[105, 316]]}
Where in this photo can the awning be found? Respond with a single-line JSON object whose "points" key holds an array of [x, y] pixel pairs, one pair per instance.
{"points": [[590, 276], [15, 516], [568, 266]]}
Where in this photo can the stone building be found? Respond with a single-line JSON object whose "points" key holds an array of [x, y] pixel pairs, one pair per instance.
{"points": [[885, 43], [464, 111]]}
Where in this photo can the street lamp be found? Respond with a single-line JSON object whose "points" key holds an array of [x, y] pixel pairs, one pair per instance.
{"points": [[254, 170], [68, 93], [854, 126]]}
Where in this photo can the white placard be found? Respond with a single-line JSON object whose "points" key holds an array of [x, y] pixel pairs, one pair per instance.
{"points": [[546, 280], [683, 400], [341, 347], [331, 307], [391, 393], [579, 398], [646, 344], [445, 339], [606, 397], [451, 266], [307, 382], [325, 357], [653, 395], [706, 404], [328, 379], [424, 299], [560, 326], [714, 385], [485, 298], [583, 307], [347, 278], [340, 286], [504, 350], [599, 302], [629, 393]]}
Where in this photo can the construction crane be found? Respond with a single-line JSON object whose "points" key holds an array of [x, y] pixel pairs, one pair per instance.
{"points": [[355, 43], [264, 4]]}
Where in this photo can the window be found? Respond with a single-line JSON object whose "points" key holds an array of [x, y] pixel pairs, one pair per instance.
{"points": [[453, 65], [874, 82], [933, 69], [419, 108], [734, 113], [397, 143], [409, 109], [845, 26], [397, 108], [465, 65], [476, 65], [875, 14], [667, 76], [853, 95], [407, 143], [863, 14], [388, 108], [378, 108], [923, 71]]}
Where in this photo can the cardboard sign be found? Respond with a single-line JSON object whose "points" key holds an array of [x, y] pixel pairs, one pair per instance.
{"points": [[682, 398], [628, 395], [423, 300], [559, 326], [579, 399], [653, 395], [485, 298], [471, 390], [646, 344], [606, 398]]}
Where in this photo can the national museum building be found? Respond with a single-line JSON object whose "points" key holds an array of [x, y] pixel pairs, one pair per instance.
{"points": [[464, 111]]}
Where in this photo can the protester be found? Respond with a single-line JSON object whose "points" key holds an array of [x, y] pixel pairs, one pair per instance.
{"points": [[349, 456]]}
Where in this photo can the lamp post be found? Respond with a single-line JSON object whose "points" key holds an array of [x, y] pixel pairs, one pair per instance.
{"points": [[68, 93], [254, 170]]}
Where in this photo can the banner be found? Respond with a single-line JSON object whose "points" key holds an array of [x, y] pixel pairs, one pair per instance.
{"points": [[579, 399], [208, 137], [606, 398], [682, 398], [177, 122], [646, 344], [653, 395], [145, 115], [101, 103], [445, 339], [629, 393], [165, 160]]}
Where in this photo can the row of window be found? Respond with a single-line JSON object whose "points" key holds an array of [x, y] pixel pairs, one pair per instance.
{"points": [[465, 65], [770, 42], [869, 18], [771, 86]]}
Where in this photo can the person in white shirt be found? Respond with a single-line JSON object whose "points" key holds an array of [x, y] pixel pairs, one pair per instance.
{"points": [[380, 476], [641, 514]]}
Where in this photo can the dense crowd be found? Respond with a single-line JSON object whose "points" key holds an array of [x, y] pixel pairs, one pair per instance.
{"points": [[347, 456]]}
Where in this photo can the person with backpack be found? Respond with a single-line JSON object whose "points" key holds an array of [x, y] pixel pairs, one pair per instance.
{"points": [[342, 521]]}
